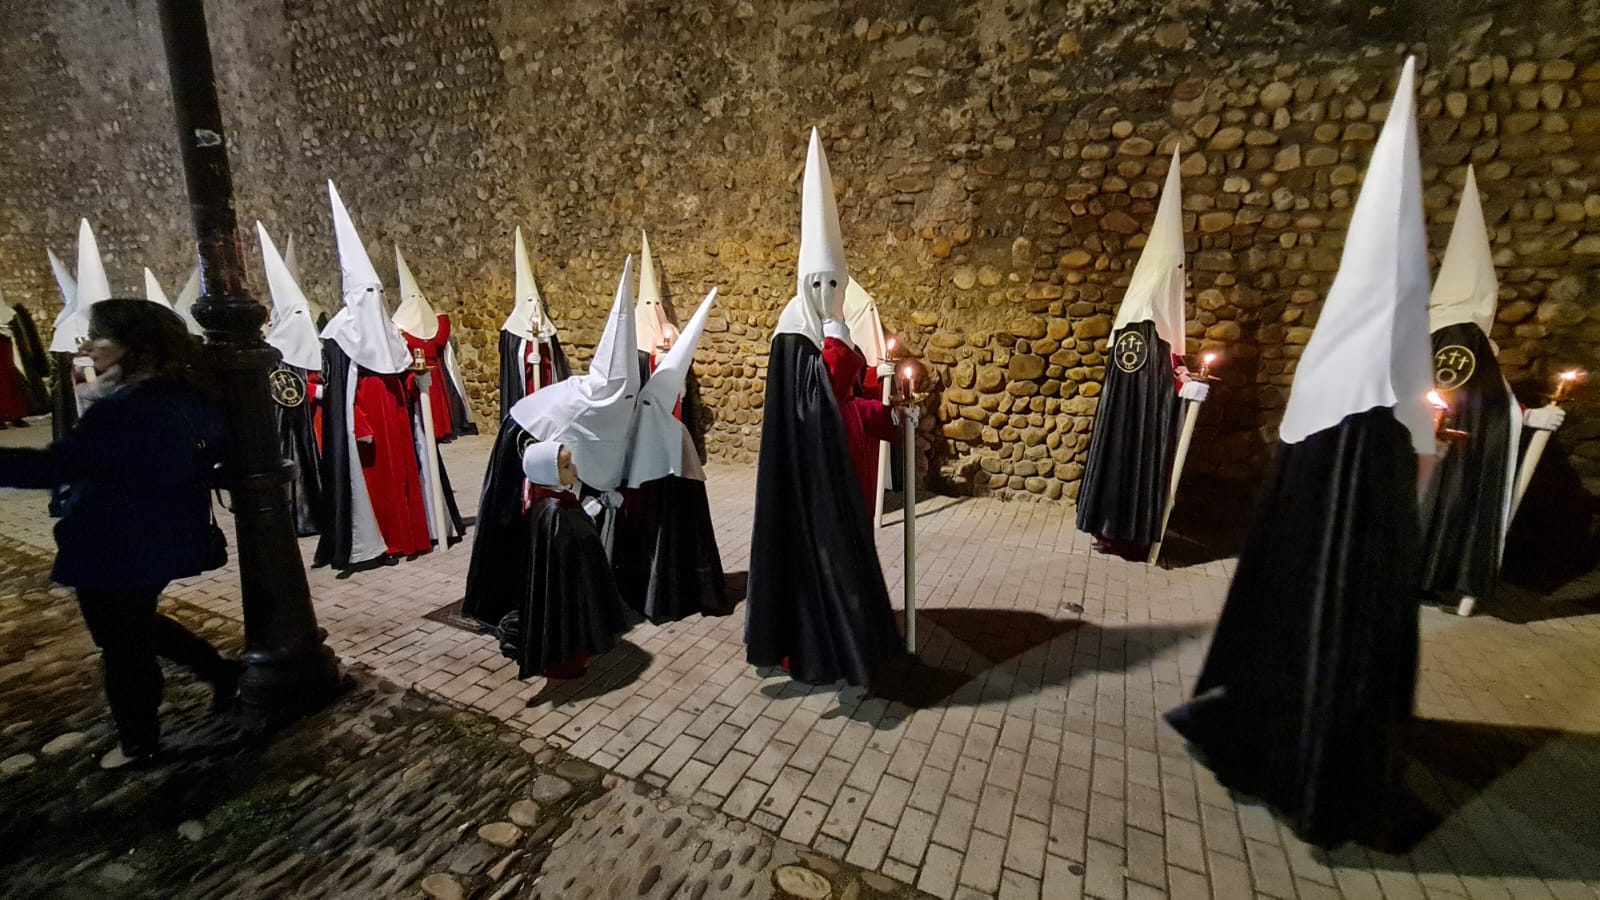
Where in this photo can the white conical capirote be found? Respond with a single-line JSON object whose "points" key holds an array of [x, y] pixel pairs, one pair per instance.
{"points": [[649, 315], [153, 291], [1155, 291], [292, 330], [821, 242], [71, 328], [93, 286], [415, 316], [1466, 289], [821, 246], [866, 328], [184, 305], [661, 444], [591, 414], [528, 319], [362, 327], [1370, 347]]}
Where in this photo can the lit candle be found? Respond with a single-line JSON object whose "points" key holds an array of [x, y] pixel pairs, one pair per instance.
{"points": [[911, 382], [1564, 383]]}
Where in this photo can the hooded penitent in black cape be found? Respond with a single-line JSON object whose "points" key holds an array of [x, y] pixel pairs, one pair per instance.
{"points": [[1314, 662], [298, 440], [513, 386], [540, 579], [816, 593], [1125, 480], [35, 363], [668, 566], [1463, 510]]}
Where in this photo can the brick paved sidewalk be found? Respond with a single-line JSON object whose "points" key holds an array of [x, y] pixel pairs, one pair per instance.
{"points": [[1033, 763]]}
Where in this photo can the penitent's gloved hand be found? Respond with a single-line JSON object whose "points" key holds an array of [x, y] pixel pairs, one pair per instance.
{"points": [[1197, 391], [1544, 418]]}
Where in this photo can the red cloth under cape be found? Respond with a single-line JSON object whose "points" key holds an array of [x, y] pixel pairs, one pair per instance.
{"points": [[866, 420], [432, 353], [382, 421], [13, 403]]}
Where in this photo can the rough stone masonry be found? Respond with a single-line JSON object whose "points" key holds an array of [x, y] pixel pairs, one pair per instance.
{"points": [[996, 165]]}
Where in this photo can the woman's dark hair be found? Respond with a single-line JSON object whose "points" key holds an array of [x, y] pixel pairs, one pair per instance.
{"points": [[155, 340]]}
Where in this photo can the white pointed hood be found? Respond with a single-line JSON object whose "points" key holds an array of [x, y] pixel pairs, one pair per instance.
{"points": [[1466, 289], [662, 445], [866, 328], [528, 319], [71, 328], [821, 246], [184, 305], [292, 331], [153, 291], [362, 328], [415, 315], [93, 286], [649, 316], [592, 413], [1370, 348], [290, 261], [1155, 292]]}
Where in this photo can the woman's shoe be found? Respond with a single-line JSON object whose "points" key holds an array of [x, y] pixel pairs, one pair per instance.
{"points": [[119, 759]]}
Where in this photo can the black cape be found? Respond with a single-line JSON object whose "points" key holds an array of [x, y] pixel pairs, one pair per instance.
{"points": [[816, 592], [501, 546], [1313, 666], [1463, 509], [668, 566], [1130, 450], [35, 363], [540, 580], [298, 440], [512, 385], [63, 414], [334, 540], [460, 412]]}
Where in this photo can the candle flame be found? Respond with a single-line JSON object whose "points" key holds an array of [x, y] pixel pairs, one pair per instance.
{"points": [[1437, 401], [1570, 375]]}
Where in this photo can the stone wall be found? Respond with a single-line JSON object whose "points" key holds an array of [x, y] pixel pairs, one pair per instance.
{"points": [[996, 165]]}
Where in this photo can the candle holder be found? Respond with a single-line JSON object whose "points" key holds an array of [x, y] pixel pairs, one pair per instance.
{"points": [[419, 363], [1207, 360], [909, 370]]}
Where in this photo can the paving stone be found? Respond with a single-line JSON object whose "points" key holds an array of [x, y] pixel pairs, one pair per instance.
{"points": [[64, 743]]}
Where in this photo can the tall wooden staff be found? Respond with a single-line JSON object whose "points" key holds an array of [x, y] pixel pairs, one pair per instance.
{"points": [[1191, 414], [908, 404], [1541, 437]]}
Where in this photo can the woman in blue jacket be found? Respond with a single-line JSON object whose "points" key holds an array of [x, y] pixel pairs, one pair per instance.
{"points": [[136, 510]]}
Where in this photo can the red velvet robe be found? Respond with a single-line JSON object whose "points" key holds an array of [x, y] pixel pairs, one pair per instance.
{"points": [[13, 403], [432, 354], [382, 422], [866, 420]]}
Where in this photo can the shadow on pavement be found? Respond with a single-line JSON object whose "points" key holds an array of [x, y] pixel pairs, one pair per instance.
{"points": [[1468, 780], [960, 646]]}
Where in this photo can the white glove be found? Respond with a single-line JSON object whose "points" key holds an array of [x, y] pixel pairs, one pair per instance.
{"points": [[592, 507], [1544, 418], [611, 499], [1194, 390], [885, 369], [898, 415]]}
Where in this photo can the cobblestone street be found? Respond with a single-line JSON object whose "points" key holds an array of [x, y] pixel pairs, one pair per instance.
{"points": [[1023, 757]]}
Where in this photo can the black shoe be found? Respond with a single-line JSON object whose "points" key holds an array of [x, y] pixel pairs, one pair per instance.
{"points": [[225, 687]]}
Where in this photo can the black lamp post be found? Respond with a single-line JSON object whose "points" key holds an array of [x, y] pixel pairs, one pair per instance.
{"points": [[289, 670]]}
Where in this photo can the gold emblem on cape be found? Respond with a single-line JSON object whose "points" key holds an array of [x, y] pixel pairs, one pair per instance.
{"points": [[1131, 351], [1453, 367], [288, 389]]}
